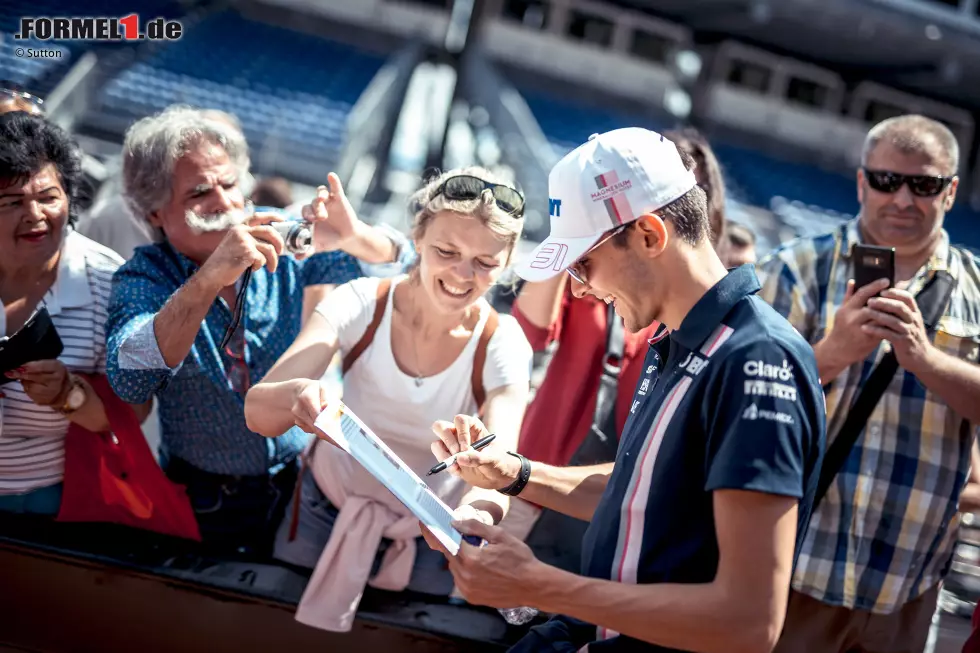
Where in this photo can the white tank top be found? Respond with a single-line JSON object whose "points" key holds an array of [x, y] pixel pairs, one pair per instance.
{"points": [[402, 412]]}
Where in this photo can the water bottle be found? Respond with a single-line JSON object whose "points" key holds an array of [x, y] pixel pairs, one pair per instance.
{"points": [[513, 616]]}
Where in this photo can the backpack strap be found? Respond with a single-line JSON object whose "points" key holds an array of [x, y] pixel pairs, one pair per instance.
{"points": [[480, 358], [384, 287], [602, 441]]}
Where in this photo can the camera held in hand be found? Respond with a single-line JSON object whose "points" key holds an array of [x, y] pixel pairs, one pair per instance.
{"points": [[297, 234]]}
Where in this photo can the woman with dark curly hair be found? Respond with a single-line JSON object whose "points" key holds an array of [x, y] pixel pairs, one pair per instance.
{"points": [[44, 264]]}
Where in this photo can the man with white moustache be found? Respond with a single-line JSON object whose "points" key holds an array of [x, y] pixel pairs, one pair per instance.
{"points": [[186, 327], [110, 221]]}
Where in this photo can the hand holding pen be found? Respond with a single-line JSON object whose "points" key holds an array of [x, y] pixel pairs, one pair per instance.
{"points": [[448, 462], [490, 468]]}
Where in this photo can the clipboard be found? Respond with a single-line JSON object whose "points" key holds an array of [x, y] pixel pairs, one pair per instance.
{"points": [[353, 436]]}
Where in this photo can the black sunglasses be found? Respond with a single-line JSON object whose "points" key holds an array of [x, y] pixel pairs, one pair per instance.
{"points": [[919, 185], [467, 187]]}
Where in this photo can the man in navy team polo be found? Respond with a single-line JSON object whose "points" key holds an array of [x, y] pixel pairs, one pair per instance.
{"points": [[696, 526]]}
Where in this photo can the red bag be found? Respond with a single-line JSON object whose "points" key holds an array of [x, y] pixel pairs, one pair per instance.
{"points": [[113, 477], [972, 644]]}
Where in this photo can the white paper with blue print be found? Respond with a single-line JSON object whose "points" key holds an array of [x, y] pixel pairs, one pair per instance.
{"points": [[357, 439]]}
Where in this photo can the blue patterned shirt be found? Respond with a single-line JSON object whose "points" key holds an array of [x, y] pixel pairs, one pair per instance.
{"points": [[884, 533], [202, 418]]}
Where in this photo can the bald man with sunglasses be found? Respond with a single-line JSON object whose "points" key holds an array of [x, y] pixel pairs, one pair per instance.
{"points": [[881, 539]]}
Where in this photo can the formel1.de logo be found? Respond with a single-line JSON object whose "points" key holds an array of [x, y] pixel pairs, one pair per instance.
{"points": [[98, 28]]}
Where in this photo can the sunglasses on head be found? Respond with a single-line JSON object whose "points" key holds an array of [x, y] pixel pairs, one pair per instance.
{"points": [[10, 92], [919, 185], [467, 187]]}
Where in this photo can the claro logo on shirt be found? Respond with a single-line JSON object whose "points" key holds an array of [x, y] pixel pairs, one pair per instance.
{"points": [[759, 368], [780, 387]]}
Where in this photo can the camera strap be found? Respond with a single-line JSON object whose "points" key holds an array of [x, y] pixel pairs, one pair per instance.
{"points": [[236, 318]]}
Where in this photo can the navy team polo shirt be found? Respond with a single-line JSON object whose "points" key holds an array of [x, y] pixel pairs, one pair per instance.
{"points": [[731, 400]]}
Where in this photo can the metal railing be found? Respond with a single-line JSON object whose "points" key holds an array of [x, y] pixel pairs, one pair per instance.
{"points": [[371, 126], [524, 146]]}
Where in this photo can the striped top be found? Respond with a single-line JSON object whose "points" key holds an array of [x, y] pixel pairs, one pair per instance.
{"points": [[32, 437]]}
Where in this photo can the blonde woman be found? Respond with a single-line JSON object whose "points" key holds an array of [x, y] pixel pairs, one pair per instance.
{"points": [[417, 348]]}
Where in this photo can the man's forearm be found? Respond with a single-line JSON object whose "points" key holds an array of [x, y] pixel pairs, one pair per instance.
{"points": [[828, 365], [955, 381], [970, 498], [178, 322], [689, 617], [573, 491]]}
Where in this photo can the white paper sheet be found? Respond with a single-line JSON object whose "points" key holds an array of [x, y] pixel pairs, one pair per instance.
{"points": [[352, 435]]}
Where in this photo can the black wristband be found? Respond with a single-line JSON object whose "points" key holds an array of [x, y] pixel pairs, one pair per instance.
{"points": [[523, 477]]}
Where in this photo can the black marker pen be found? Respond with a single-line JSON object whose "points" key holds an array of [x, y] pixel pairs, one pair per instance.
{"points": [[479, 444]]}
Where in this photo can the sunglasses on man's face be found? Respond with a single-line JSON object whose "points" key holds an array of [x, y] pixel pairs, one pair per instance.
{"points": [[467, 187], [576, 270], [884, 181]]}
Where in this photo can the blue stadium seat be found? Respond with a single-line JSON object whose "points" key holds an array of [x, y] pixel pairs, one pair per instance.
{"points": [[289, 86], [24, 70], [807, 198]]}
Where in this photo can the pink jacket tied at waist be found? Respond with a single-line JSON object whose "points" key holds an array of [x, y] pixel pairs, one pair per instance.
{"points": [[367, 513]]}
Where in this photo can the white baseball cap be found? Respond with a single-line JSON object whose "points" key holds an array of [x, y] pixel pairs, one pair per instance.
{"points": [[612, 179]]}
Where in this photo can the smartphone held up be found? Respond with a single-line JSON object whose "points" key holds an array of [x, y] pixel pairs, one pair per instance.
{"points": [[871, 263]]}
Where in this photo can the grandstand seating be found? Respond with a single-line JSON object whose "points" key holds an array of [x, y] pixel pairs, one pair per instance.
{"points": [[290, 90], [752, 178], [804, 197], [24, 71]]}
